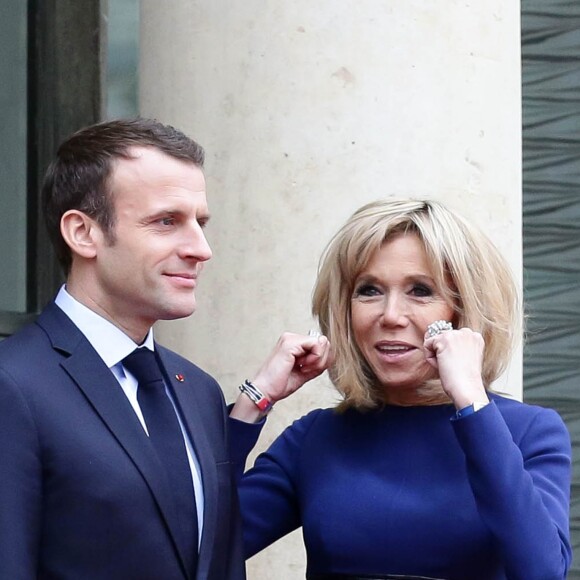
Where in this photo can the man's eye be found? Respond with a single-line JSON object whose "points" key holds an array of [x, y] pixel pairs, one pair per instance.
{"points": [[421, 290], [167, 221]]}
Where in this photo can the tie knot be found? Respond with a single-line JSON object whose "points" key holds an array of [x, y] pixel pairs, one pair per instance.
{"points": [[143, 365]]}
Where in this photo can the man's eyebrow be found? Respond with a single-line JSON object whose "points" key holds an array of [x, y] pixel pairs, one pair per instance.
{"points": [[161, 213]]}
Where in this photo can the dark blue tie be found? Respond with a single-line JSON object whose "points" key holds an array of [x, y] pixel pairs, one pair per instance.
{"points": [[167, 439]]}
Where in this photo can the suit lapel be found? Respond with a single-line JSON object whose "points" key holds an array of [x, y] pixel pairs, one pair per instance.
{"points": [[183, 389], [102, 390]]}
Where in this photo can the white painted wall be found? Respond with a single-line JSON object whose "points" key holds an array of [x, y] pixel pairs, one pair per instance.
{"points": [[307, 110]]}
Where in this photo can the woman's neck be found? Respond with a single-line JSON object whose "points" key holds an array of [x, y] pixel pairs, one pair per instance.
{"points": [[430, 393]]}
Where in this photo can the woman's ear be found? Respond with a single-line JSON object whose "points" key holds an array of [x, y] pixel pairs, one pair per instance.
{"points": [[81, 233]]}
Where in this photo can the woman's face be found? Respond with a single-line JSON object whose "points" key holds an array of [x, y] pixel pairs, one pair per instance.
{"points": [[395, 298]]}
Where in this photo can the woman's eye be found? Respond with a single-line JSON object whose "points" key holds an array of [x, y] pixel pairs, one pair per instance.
{"points": [[421, 291], [366, 290]]}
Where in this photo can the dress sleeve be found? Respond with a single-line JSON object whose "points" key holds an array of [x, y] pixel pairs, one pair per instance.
{"points": [[268, 491], [521, 484], [242, 439], [20, 484]]}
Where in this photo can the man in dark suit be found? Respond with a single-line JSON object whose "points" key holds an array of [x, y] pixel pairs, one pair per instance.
{"points": [[87, 488]]}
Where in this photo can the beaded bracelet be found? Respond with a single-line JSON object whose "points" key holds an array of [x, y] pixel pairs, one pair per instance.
{"points": [[257, 397]]}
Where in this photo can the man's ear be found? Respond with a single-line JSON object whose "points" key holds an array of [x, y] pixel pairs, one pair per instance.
{"points": [[81, 233]]}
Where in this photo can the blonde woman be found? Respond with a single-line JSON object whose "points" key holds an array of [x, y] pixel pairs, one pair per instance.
{"points": [[421, 471]]}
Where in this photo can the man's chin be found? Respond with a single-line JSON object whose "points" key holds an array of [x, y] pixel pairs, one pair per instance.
{"points": [[178, 312]]}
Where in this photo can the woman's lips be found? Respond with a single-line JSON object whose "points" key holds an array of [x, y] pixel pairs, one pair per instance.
{"points": [[394, 350]]}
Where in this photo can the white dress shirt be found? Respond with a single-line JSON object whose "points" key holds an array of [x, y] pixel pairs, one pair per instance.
{"points": [[113, 345]]}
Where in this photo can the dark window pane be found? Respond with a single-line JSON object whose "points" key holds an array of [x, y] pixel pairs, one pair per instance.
{"points": [[122, 58], [13, 144]]}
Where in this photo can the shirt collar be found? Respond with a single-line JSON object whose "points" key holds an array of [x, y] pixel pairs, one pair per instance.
{"points": [[110, 342]]}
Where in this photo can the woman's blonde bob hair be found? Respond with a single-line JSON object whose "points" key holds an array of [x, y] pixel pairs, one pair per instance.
{"points": [[467, 268]]}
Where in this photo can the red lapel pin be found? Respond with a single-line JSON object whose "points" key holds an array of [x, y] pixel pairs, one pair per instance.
{"points": [[180, 378]]}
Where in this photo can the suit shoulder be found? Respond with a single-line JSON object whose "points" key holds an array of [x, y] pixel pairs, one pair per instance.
{"points": [[25, 347]]}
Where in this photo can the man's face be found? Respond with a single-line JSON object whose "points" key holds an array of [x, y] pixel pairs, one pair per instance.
{"points": [[149, 271]]}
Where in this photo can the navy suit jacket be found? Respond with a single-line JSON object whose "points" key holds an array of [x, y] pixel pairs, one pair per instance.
{"points": [[82, 494]]}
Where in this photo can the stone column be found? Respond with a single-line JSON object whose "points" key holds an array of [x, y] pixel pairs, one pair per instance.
{"points": [[307, 110]]}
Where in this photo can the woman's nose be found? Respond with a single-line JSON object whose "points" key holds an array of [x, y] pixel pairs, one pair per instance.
{"points": [[394, 312]]}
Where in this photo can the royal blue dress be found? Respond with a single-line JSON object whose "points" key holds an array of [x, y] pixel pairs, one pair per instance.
{"points": [[412, 490]]}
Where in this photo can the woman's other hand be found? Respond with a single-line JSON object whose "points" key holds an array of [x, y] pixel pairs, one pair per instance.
{"points": [[295, 359]]}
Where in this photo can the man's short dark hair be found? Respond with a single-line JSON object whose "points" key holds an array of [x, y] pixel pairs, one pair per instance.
{"points": [[79, 176]]}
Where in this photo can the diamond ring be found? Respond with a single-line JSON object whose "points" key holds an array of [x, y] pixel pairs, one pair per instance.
{"points": [[438, 327]]}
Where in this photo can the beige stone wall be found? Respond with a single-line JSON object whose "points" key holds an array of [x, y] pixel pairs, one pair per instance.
{"points": [[307, 110]]}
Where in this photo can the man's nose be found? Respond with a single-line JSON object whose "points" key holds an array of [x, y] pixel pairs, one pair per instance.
{"points": [[195, 245]]}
